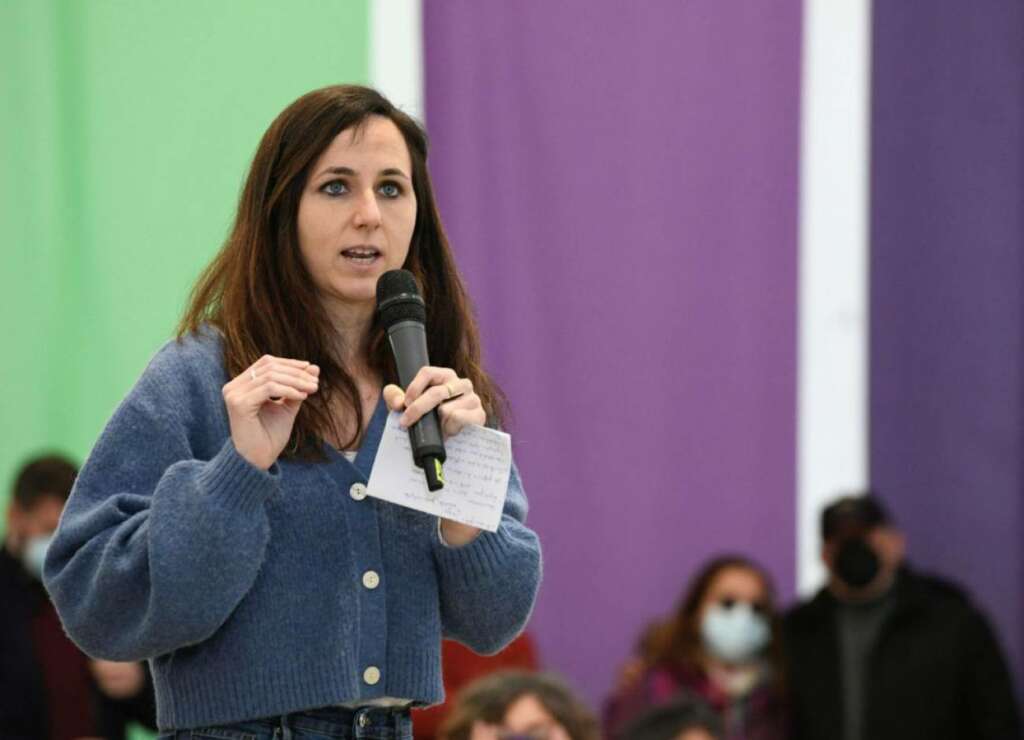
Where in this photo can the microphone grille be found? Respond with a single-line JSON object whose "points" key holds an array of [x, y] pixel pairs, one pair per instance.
{"points": [[398, 299]]}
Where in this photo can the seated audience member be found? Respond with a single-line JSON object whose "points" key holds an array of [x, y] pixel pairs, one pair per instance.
{"points": [[681, 719], [722, 647], [460, 666], [49, 690], [644, 656], [514, 705], [883, 652]]}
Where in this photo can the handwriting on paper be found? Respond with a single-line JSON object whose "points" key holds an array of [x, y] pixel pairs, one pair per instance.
{"points": [[476, 471]]}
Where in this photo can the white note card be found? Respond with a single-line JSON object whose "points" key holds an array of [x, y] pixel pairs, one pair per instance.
{"points": [[476, 471]]}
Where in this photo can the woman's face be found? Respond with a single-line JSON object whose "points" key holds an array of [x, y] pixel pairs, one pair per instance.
{"points": [[357, 213], [734, 585], [525, 719]]}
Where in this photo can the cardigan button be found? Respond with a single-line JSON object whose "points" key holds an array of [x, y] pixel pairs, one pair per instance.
{"points": [[371, 675], [357, 491]]}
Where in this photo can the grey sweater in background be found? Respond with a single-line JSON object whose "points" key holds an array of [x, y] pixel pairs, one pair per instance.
{"points": [[245, 589]]}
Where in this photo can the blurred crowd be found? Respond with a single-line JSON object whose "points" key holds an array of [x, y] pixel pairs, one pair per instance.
{"points": [[881, 651]]}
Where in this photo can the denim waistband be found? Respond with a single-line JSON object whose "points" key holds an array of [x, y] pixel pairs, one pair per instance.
{"points": [[327, 723]]}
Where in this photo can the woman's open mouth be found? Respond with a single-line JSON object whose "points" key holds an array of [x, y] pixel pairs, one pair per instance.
{"points": [[361, 255]]}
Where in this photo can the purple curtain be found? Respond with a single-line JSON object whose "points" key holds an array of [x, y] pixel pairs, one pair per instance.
{"points": [[619, 181], [947, 310]]}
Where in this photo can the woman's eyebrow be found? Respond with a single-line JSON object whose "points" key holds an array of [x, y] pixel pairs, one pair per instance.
{"points": [[338, 171], [389, 172]]}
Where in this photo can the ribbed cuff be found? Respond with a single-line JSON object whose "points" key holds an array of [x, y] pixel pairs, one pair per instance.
{"points": [[444, 542], [475, 561], [237, 483]]}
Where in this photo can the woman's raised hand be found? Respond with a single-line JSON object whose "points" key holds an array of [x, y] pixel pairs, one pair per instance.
{"points": [[456, 402], [262, 403]]}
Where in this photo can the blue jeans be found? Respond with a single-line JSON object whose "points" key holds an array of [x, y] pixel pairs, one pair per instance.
{"points": [[329, 723]]}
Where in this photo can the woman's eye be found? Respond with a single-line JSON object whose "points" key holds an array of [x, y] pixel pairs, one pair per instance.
{"points": [[334, 187], [390, 189]]}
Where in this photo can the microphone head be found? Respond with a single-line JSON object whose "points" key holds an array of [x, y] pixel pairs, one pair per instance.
{"points": [[398, 299]]}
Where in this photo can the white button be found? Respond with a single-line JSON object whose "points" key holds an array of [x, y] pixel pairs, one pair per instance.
{"points": [[370, 579], [371, 675], [363, 720], [357, 491]]}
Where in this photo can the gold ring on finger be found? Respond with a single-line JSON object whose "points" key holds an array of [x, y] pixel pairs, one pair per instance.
{"points": [[452, 395]]}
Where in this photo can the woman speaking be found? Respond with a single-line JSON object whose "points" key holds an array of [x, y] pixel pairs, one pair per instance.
{"points": [[220, 527]]}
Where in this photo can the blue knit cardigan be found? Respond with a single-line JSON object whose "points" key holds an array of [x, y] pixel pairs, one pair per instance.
{"points": [[250, 592]]}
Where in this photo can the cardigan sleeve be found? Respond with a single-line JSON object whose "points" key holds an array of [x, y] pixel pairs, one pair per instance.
{"points": [[157, 546], [488, 586]]}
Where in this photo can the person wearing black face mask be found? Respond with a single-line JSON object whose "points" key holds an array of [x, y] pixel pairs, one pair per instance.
{"points": [[884, 652]]}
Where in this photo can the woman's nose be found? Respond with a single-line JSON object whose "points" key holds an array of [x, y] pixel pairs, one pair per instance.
{"points": [[367, 211]]}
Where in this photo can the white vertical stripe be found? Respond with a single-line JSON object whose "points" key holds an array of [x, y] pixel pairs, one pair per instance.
{"points": [[396, 52], [832, 436]]}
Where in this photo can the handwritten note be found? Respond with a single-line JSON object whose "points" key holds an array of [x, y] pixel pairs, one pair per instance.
{"points": [[479, 461]]}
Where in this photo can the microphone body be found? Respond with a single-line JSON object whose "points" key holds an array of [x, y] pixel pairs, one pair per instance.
{"points": [[408, 341], [402, 313]]}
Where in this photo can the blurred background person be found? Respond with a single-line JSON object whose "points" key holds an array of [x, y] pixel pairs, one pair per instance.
{"points": [[48, 687], [648, 646], [680, 719], [884, 652], [516, 705], [460, 666], [722, 647]]}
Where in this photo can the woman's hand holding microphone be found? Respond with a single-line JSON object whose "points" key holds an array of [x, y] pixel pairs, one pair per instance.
{"points": [[457, 405], [262, 403], [456, 402]]}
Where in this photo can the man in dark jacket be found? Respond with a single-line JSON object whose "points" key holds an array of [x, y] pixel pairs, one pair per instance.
{"points": [[49, 690], [886, 653]]}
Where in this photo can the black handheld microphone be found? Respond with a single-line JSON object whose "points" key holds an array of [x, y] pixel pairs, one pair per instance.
{"points": [[402, 313]]}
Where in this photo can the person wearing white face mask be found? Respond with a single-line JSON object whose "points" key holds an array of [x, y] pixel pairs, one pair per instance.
{"points": [[721, 647], [48, 688]]}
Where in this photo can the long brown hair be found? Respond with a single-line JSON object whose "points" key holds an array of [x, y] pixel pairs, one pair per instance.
{"points": [[259, 294], [678, 641]]}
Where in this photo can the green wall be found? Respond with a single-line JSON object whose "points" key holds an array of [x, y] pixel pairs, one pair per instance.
{"points": [[127, 128]]}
